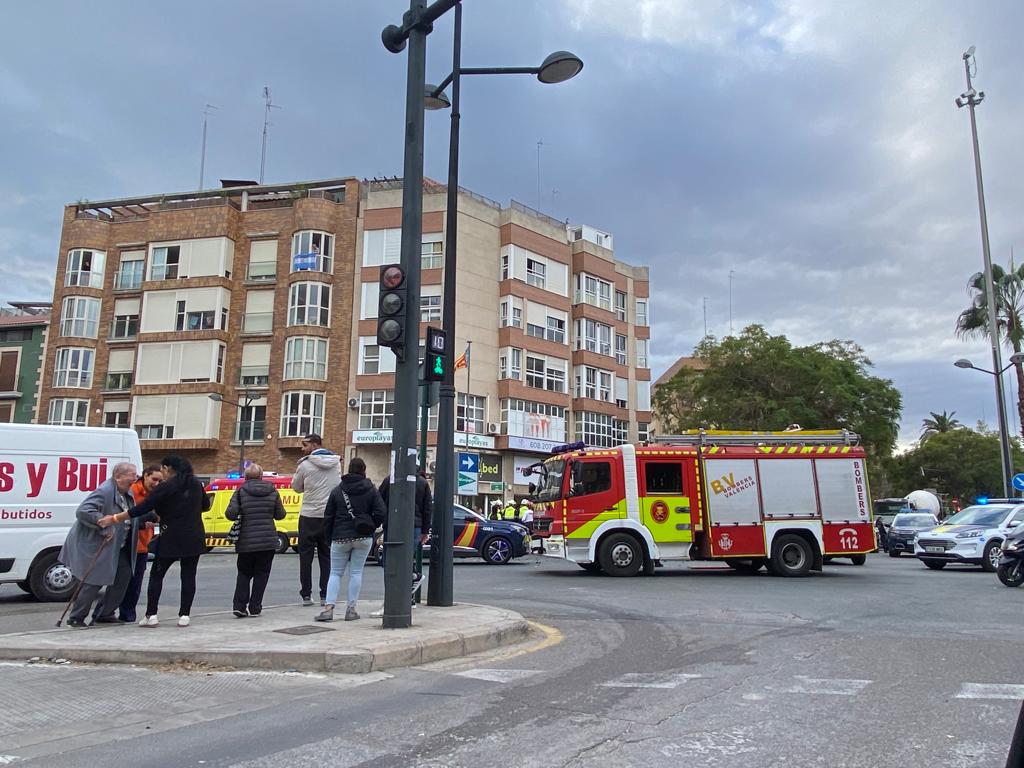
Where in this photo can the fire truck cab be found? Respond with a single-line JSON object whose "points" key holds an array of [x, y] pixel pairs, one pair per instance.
{"points": [[785, 500]]}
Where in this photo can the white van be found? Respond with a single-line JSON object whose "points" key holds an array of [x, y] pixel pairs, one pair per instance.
{"points": [[45, 472]]}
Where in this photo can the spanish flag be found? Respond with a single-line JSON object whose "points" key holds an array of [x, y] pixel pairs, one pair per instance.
{"points": [[463, 360]]}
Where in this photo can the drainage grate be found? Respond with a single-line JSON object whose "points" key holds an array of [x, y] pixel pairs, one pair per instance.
{"points": [[305, 629]]}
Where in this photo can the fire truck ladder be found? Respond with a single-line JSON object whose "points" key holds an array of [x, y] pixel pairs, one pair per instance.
{"points": [[702, 438]]}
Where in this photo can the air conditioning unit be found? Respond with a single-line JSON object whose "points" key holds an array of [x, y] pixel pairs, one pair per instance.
{"points": [[353, 403], [493, 428], [432, 467]]}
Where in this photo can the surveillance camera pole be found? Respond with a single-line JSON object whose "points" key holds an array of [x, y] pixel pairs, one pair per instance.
{"points": [[972, 99]]}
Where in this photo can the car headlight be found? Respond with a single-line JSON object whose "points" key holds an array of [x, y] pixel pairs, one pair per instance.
{"points": [[971, 535]]}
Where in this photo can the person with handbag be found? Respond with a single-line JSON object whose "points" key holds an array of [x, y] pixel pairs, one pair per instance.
{"points": [[353, 512], [254, 507]]}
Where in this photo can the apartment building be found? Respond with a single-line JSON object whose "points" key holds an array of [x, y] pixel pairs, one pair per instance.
{"points": [[207, 318], [558, 330], [23, 331]]}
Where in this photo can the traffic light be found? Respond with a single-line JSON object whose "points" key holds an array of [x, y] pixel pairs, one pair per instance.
{"points": [[436, 363], [391, 310]]}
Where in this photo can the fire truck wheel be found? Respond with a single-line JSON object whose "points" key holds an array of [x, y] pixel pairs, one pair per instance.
{"points": [[745, 565], [858, 559], [621, 555], [791, 556]]}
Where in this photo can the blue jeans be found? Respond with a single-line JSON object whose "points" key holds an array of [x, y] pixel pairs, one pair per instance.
{"points": [[351, 556]]}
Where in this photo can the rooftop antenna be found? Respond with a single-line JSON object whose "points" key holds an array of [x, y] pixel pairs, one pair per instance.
{"points": [[266, 123], [539, 145], [202, 156]]}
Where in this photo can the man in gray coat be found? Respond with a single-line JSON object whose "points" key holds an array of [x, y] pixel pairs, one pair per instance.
{"points": [[318, 473], [102, 557]]}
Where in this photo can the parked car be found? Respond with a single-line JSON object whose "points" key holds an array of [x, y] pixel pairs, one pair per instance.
{"points": [[905, 528], [972, 536], [496, 541]]}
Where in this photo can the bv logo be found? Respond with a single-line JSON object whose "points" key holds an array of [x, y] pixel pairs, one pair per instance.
{"points": [[728, 485], [725, 542], [659, 511]]}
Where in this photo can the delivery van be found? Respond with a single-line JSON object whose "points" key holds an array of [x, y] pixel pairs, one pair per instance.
{"points": [[220, 491], [45, 473]]}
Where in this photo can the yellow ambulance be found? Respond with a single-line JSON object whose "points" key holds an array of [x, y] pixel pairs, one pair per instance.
{"points": [[220, 491]]}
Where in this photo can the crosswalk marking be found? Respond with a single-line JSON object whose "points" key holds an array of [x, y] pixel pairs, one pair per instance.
{"points": [[650, 680], [990, 691], [826, 686], [498, 675]]}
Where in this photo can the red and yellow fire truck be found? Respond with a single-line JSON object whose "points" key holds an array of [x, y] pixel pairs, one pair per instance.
{"points": [[785, 500]]}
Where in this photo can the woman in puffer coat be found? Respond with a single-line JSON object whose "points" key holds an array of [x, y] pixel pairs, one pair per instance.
{"points": [[257, 504]]}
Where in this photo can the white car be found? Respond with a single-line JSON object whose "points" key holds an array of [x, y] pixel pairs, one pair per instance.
{"points": [[971, 536]]}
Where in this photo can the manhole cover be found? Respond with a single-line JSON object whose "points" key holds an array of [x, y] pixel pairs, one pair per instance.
{"points": [[305, 629]]}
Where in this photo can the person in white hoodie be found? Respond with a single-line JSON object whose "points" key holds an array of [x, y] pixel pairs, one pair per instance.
{"points": [[317, 474]]}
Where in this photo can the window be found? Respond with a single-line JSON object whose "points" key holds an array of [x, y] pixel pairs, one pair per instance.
{"points": [[641, 353], [510, 364], [525, 418], [643, 431], [305, 357], [664, 478], [599, 429], [194, 321], [591, 477], [118, 382], [302, 413], [262, 261], [622, 392], [164, 264], [535, 370], [129, 276], [641, 311], [432, 252], [376, 409], [252, 423], [68, 413], [620, 306], [117, 419], [594, 337], [382, 246], [536, 273], [469, 415], [312, 250], [16, 334], [220, 364], [124, 327], [537, 331], [593, 383], [643, 395], [430, 309], [591, 290], [556, 330], [80, 317], [85, 268], [72, 367], [374, 359], [620, 349], [309, 304], [506, 266], [154, 432], [223, 318], [255, 368]]}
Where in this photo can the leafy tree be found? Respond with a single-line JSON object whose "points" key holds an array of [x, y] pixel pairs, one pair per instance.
{"points": [[761, 382], [1009, 295], [938, 423]]}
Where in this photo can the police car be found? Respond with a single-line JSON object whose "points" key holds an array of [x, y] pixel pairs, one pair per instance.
{"points": [[972, 536], [496, 541]]}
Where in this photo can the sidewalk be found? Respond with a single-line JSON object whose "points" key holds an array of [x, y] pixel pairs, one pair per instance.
{"points": [[283, 638]]}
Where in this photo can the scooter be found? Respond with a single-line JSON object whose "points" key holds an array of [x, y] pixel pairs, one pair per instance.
{"points": [[1011, 559]]}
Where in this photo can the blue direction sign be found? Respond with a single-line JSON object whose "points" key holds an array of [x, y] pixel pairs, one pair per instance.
{"points": [[1018, 482], [469, 473]]}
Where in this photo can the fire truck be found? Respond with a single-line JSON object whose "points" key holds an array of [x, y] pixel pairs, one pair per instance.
{"points": [[781, 500]]}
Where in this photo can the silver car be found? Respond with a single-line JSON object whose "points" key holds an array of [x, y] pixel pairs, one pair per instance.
{"points": [[972, 536]]}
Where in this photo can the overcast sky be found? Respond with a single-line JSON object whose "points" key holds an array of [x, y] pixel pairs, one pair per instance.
{"points": [[811, 147]]}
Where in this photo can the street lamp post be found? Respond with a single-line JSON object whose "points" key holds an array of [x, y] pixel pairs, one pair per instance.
{"points": [[556, 68], [971, 99], [250, 398]]}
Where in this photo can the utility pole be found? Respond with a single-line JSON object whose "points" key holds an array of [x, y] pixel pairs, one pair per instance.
{"points": [[971, 99], [202, 154], [269, 105]]}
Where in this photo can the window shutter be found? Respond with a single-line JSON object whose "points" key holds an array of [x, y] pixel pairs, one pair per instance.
{"points": [[256, 354], [259, 301], [126, 307], [121, 360], [149, 410]]}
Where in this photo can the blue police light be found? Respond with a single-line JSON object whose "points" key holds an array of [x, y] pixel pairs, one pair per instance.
{"points": [[569, 447], [233, 476], [981, 500]]}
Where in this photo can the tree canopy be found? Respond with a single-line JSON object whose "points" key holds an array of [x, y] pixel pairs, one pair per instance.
{"points": [[761, 382], [939, 422]]}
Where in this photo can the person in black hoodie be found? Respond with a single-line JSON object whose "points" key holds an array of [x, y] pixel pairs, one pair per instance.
{"points": [[256, 504], [356, 498]]}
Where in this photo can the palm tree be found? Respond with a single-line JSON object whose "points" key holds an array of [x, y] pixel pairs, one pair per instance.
{"points": [[1009, 293], [939, 422]]}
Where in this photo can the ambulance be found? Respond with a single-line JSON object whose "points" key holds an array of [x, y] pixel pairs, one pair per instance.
{"points": [[45, 473], [220, 491], [781, 500]]}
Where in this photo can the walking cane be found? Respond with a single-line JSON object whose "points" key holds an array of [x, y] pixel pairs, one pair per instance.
{"points": [[81, 581]]}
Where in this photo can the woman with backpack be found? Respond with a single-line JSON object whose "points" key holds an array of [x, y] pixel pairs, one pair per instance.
{"points": [[255, 505], [354, 510]]}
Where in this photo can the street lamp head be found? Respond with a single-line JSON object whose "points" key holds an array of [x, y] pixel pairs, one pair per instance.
{"points": [[393, 38], [1017, 358], [559, 67], [968, 53], [963, 363], [216, 398], [433, 100]]}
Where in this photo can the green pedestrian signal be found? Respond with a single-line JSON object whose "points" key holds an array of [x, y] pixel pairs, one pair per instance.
{"points": [[437, 355], [438, 365]]}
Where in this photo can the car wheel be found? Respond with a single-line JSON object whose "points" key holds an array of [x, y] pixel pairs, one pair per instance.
{"points": [[935, 565], [990, 557], [497, 551], [791, 556], [620, 555], [894, 553], [858, 559], [590, 567], [50, 580], [282, 543], [1011, 575], [745, 565]]}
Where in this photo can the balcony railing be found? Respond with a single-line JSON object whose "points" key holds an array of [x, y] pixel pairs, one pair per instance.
{"points": [[258, 322], [130, 280], [254, 376], [252, 431], [117, 382], [262, 271]]}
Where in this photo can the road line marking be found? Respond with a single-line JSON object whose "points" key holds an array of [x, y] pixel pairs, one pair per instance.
{"points": [[498, 675], [990, 691], [650, 680], [8, 759], [826, 686], [552, 637]]}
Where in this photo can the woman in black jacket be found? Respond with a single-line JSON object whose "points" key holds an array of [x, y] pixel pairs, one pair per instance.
{"points": [[179, 501], [356, 498], [256, 504]]}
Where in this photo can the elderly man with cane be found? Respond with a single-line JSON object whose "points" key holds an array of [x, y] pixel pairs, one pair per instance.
{"points": [[101, 557]]}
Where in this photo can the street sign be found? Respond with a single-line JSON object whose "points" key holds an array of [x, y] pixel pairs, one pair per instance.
{"points": [[469, 469], [1018, 482]]}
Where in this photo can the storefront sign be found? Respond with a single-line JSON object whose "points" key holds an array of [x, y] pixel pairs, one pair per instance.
{"points": [[372, 437], [473, 441], [531, 444], [490, 468]]}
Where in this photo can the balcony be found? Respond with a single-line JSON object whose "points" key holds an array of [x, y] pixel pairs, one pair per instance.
{"points": [[128, 280], [118, 382], [254, 376], [261, 271], [258, 322]]}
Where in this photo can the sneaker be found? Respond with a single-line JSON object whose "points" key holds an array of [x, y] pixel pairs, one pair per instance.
{"points": [[350, 614], [149, 621], [184, 621], [77, 624], [327, 614], [307, 602], [254, 613], [240, 613]]}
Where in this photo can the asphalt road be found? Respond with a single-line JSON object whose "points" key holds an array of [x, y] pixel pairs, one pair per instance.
{"points": [[889, 664]]}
